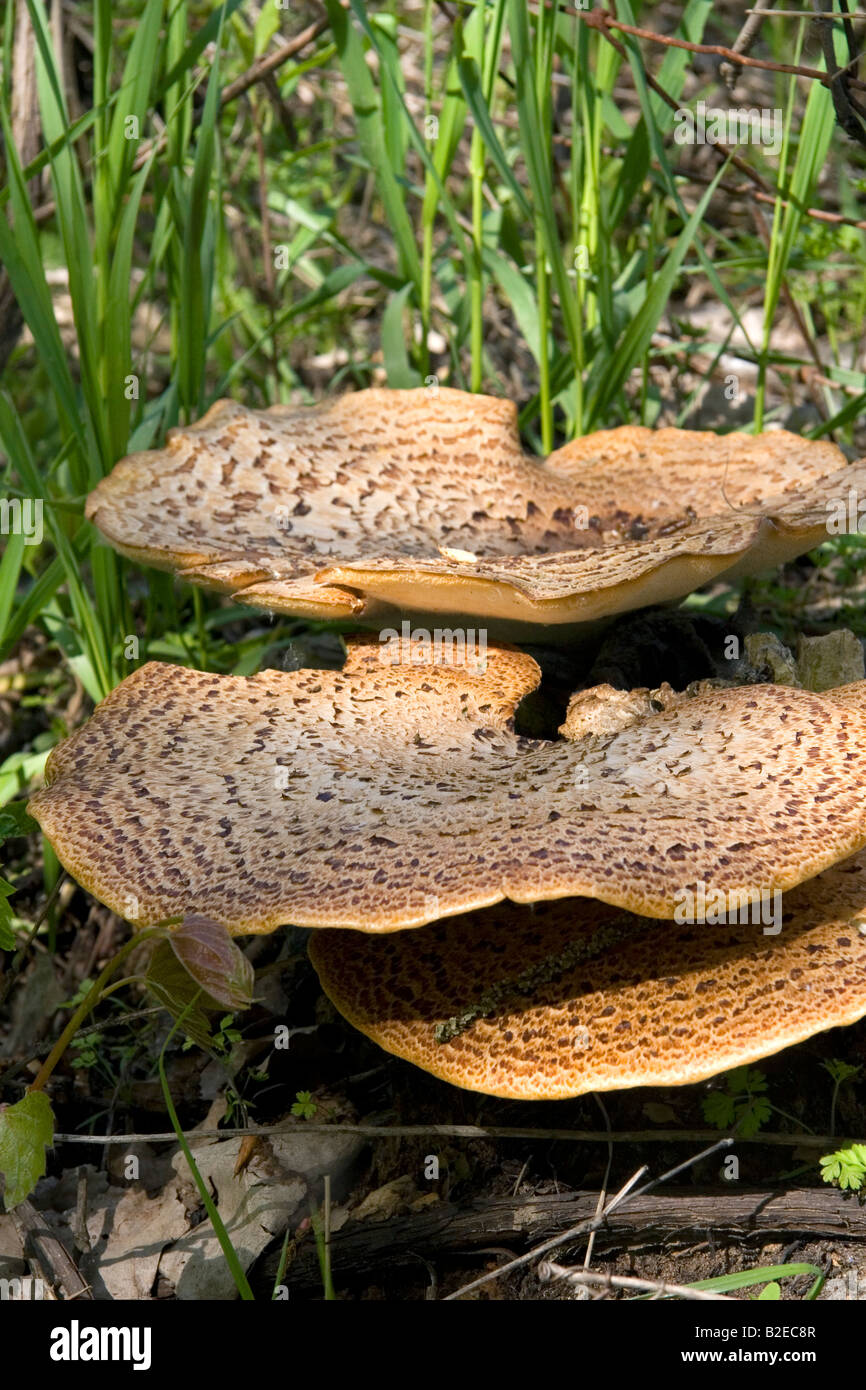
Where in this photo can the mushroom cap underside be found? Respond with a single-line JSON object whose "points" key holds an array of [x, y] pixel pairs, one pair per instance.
{"points": [[568, 997]]}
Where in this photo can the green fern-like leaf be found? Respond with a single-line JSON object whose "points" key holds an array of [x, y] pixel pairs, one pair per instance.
{"points": [[741, 1103], [841, 1071], [755, 1114], [846, 1168], [719, 1109]]}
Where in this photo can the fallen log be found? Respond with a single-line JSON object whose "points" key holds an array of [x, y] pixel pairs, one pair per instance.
{"points": [[364, 1248]]}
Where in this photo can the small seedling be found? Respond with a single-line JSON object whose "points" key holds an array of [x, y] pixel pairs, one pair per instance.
{"points": [[741, 1105], [846, 1168], [840, 1072], [304, 1105]]}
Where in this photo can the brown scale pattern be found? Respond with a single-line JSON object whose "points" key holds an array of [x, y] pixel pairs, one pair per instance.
{"points": [[646, 1003], [344, 509], [383, 797], [705, 472]]}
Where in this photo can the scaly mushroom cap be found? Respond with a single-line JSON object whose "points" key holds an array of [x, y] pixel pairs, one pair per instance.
{"points": [[551, 1002], [383, 500], [385, 796], [852, 696]]}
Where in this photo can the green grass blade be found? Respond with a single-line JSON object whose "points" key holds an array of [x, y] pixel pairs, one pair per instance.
{"points": [[607, 379], [401, 373], [537, 157], [371, 134], [71, 215], [20, 255], [11, 562], [191, 207]]}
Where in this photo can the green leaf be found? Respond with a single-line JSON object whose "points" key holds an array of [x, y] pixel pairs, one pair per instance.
{"points": [[470, 81], [719, 1109], [15, 821], [133, 98], [7, 927], [747, 1278], [20, 255], [746, 1079], [209, 33], [26, 1131], [174, 988], [369, 118], [771, 1293], [209, 955], [11, 563], [846, 1168], [755, 1116], [519, 296], [537, 159], [266, 26], [401, 373], [839, 1070], [608, 378], [304, 1106], [193, 217]]}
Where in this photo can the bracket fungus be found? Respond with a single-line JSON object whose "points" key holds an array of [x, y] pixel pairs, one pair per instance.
{"points": [[385, 796], [552, 1002], [425, 503]]}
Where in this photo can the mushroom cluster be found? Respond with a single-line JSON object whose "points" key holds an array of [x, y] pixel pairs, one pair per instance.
{"points": [[673, 886]]}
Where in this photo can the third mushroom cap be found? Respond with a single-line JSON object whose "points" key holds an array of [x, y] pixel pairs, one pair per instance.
{"points": [[573, 997]]}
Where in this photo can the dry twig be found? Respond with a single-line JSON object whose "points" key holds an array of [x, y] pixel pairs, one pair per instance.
{"points": [[585, 1227], [548, 1272]]}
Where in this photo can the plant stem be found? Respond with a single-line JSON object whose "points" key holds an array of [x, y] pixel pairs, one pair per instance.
{"points": [[222, 1235], [87, 1005]]}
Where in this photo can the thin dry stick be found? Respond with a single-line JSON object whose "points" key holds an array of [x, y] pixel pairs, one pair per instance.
{"points": [[38, 1238], [745, 40], [271, 61], [584, 1228], [80, 1234], [761, 191], [814, 14], [547, 1272], [578, 1136], [625, 1194], [604, 21], [744, 191], [719, 148], [520, 1179], [773, 198], [602, 1192]]}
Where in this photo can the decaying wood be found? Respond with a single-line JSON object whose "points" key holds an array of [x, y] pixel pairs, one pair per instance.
{"points": [[361, 1249], [40, 1242]]}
